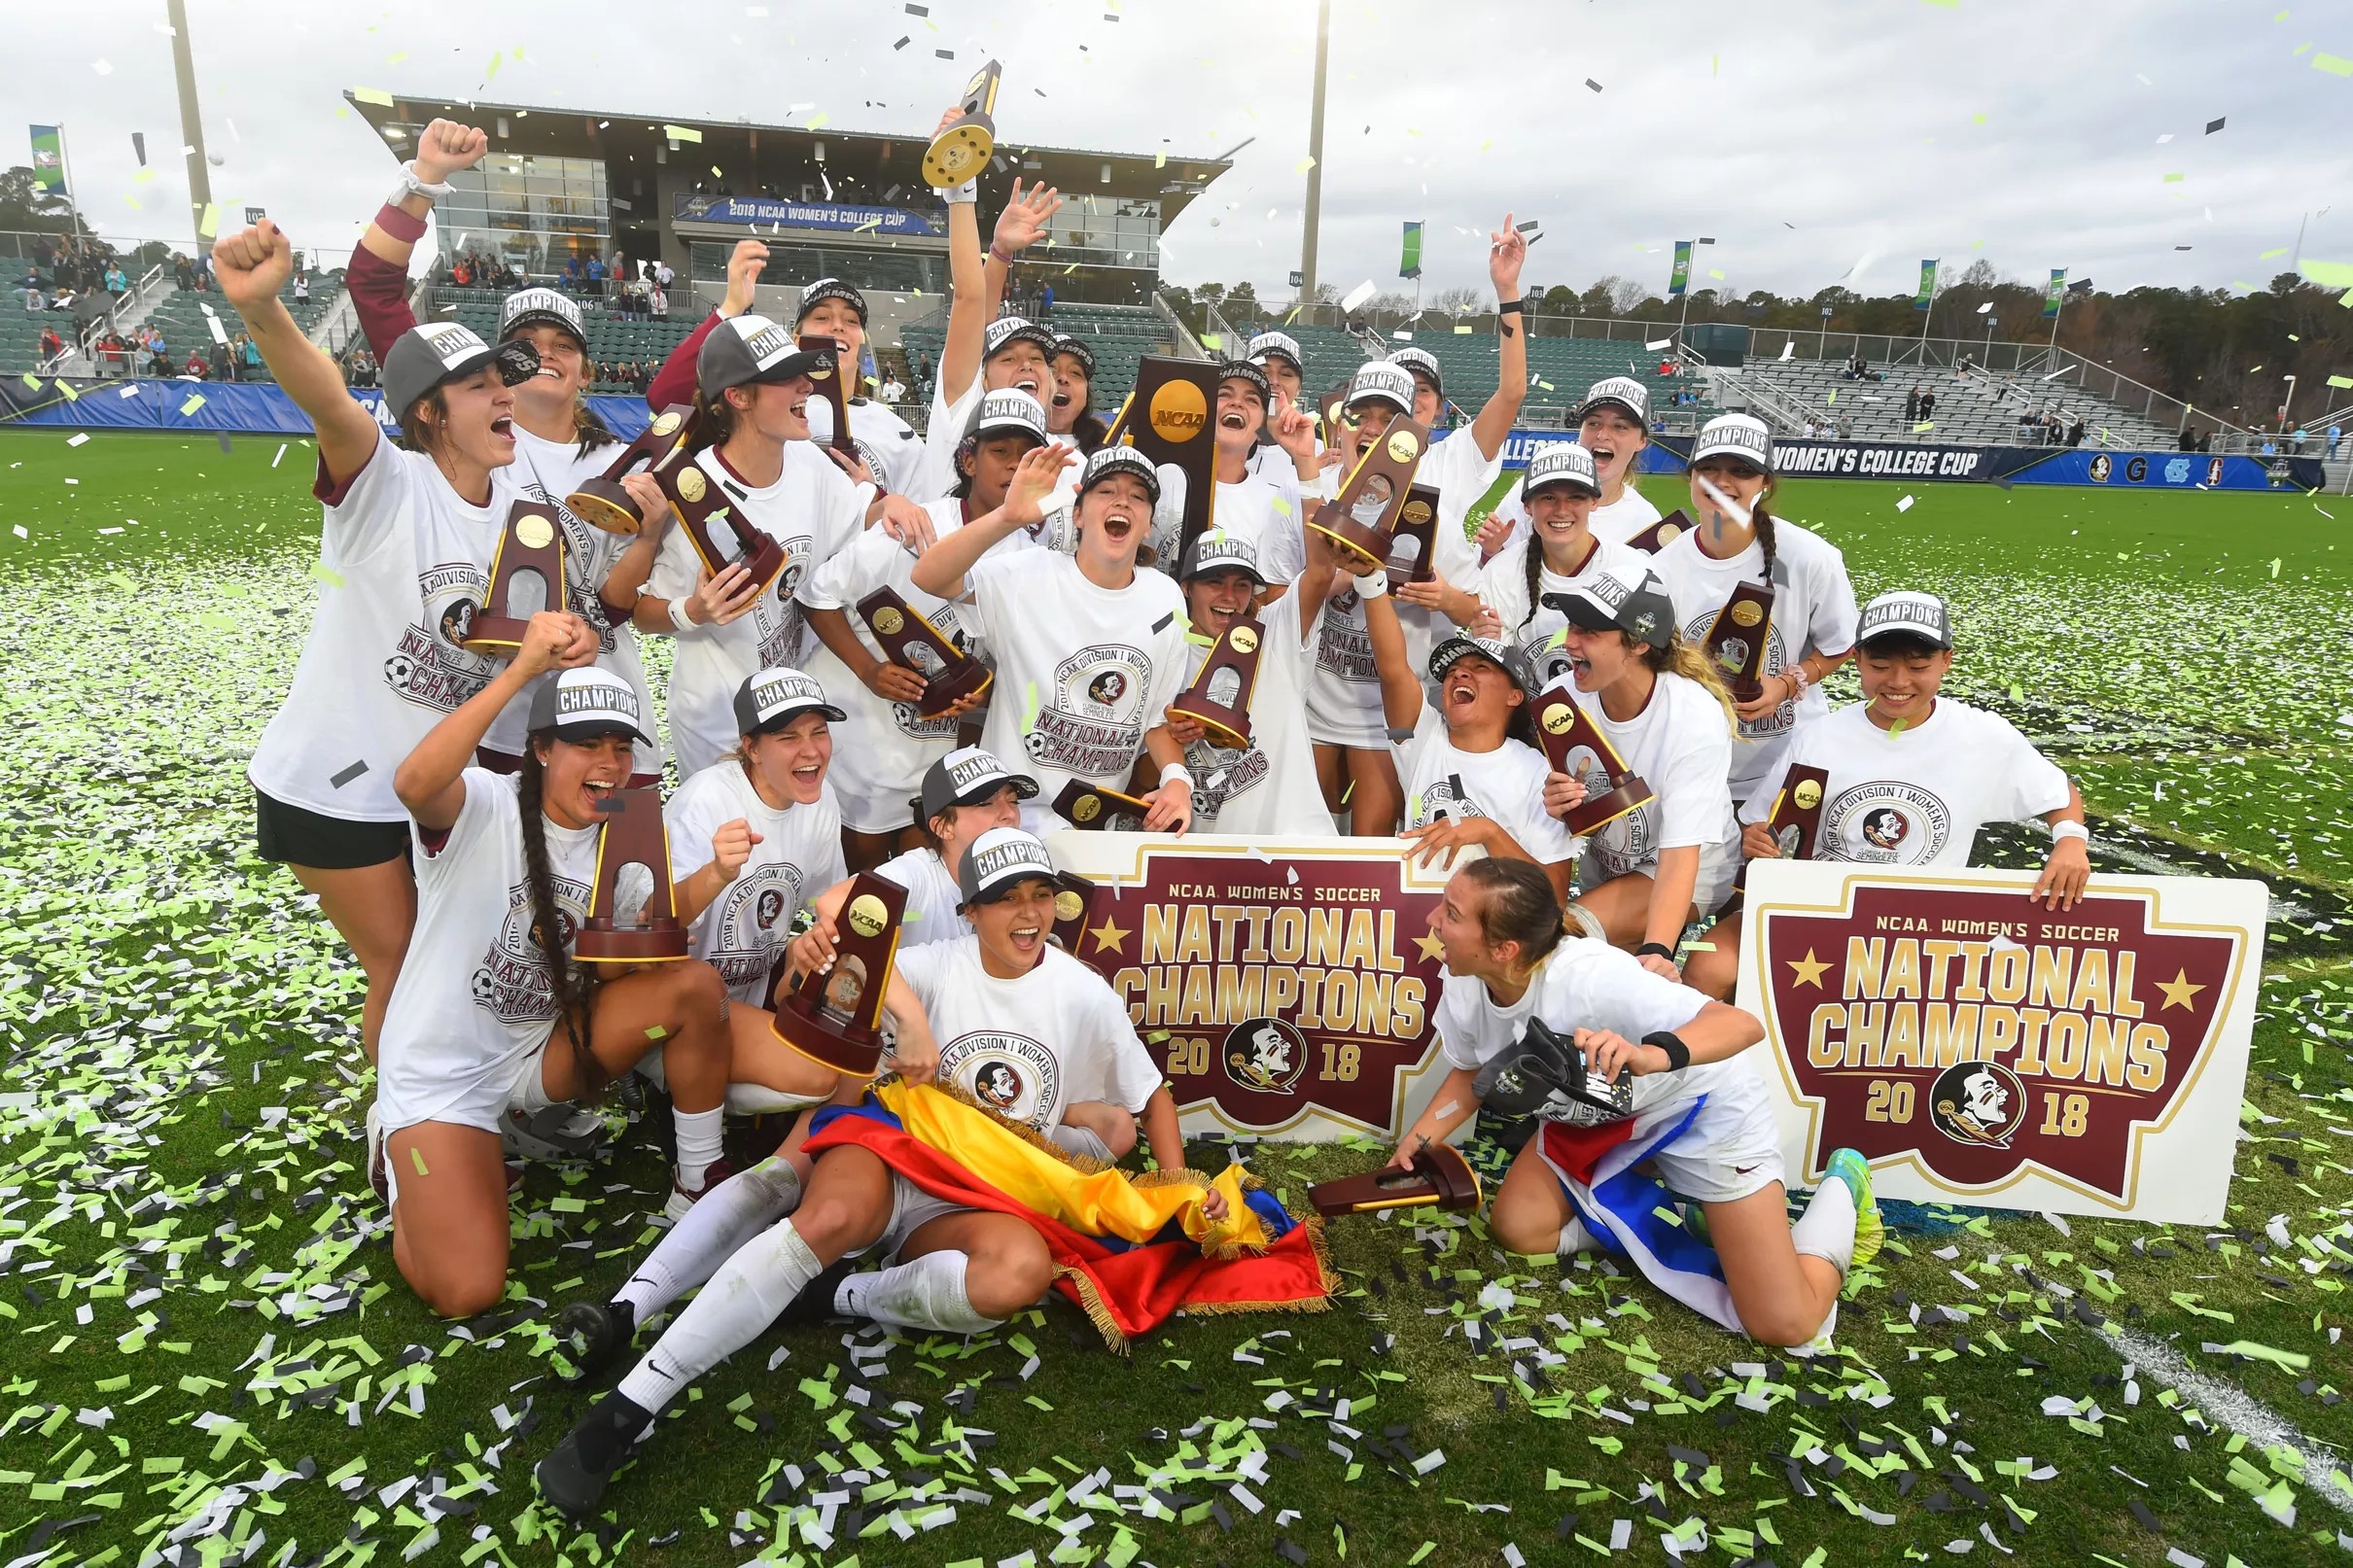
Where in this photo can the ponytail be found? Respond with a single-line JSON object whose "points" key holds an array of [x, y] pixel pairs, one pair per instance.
{"points": [[588, 429], [1534, 563], [1683, 657], [1519, 906], [713, 421], [574, 985], [1763, 519]]}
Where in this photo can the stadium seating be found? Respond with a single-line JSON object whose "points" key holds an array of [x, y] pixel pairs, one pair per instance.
{"points": [[1975, 408], [1120, 336], [611, 339]]}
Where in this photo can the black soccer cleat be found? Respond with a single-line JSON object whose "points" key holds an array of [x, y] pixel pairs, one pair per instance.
{"points": [[592, 1334], [573, 1479]]}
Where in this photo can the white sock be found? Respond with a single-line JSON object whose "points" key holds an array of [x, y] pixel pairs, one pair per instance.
{"points": [[698, 1139], [729, 1215], [1826, 1230], [1574, 1239], [741, 1301], [923, 1293]]}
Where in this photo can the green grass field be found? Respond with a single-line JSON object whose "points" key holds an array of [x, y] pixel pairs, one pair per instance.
{"points": [[208, 1357]]}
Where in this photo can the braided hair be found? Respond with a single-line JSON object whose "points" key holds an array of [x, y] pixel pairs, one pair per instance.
{"points": [[573, 983], [1534, 560], [1763, 519], [588, 427]]}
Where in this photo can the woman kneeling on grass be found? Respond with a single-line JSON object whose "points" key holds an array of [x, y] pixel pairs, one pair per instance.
{"points": [[1695, 1114], [505, 866]]}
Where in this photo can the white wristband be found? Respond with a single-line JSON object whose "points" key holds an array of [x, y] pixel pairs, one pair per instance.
{"points": [[411, 185], [2062, 832], [1174, 771], [961, 195], [1373, 584], [680, 617]]}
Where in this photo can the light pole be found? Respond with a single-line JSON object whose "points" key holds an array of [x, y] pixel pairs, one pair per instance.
{"points": [[2285, 401], [1315, 155], [192, 122]]}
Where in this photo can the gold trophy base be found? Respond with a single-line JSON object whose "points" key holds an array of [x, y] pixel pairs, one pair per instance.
{"points": [[1352, 539], [604, 503], [958, 153]]}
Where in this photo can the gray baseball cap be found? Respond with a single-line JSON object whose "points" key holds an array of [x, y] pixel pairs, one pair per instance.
{"points": [[1008, 408], [1217, 550], [1105, 460], [1561, 462], [1502, 655], [1741, 436], [744, 349], [772, 698], [434, 352], [1389, 382], [1624, 390], [1005, 330], [998, 862], [967, 777], [528, 308], [1422, 360], [1278, 345], [1906, 612], [1615, 600], [581, 705]]}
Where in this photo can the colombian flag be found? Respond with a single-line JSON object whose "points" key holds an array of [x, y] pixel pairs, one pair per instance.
{"points": [[1129, 1250]]}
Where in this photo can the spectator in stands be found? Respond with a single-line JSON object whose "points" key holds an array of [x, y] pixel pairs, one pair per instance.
{"points": [[664, 277], [2188, 441], [1845, 427], [1927, 406], [596, 274], [2270, 447], [2075, 432], [2299, 440], [1911, 405], [195, 369], [249, 358], [894, 390], [1045, 302], [116, 285], [114, 355], [33, 299], [221, 367], [183, 274], [2336, 435], [658, 302], [52, 346]]}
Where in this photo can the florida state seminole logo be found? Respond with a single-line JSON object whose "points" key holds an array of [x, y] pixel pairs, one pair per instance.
{"points": [[1979, 1037]]}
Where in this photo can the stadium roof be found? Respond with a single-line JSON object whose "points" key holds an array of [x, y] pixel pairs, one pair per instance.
{"points": [[859, 166]]}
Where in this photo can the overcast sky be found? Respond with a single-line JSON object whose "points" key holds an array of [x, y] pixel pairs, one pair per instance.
{"points": [[1817, 142]]}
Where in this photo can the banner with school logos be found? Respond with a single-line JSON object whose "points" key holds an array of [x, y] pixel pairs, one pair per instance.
{"points": [[1285, 987], [1981, 1049]]}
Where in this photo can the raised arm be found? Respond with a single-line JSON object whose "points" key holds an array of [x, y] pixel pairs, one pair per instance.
{"points": [[430, 780], [675, 381], [1506, 253], [378, 279], [1400, 687], [940, 570], [250, 266]]}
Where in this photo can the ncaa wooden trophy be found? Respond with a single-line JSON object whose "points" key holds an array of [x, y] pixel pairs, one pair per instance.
{"points": [[1796, 822], [703, 506], [1166, 418], [1662, 533], [836, 1017], [1414, 542], [1736, 642], [1220, 698], [1073, 897], [960, 149], [832, 380], [1574, 744], [601, 500], [1361, 519], [632, 835], [912, 642], [1439, 1178], [1094, 808], [531, 547]]}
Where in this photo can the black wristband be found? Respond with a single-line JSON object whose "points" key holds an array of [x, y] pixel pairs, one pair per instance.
{"points": [[1679, 1055], [1513, 308], [1659, 948]]}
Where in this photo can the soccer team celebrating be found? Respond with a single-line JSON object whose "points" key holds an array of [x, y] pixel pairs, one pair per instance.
{"points": [[443, 805]]}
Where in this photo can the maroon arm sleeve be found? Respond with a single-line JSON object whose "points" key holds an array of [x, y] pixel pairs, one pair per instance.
{"points": [[675, 382], [379, 294]]}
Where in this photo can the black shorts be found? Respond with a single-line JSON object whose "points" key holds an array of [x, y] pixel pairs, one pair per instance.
{"points": [[293, 836]]}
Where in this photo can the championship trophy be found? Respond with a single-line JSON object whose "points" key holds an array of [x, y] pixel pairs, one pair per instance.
{"points": [[1415, 538], [1072, 902], [1360, 520], [832, 380], [836, 1017], [1168, 418], [1439, 1176], [956, 155], [702, 507], [632, 835], [1220, 698], [1662, 533], [531, 547], [1334, 412], [1097, 807], [602, 500], [1796, 822], [1736, 642], [1574, 744], [912, 642]]}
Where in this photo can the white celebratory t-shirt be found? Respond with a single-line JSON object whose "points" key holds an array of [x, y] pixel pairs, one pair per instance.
{"points": [[473, 1002], [1031, 1046], [1267, 514], [1505, 785], [932, 897], [403, 564], [547, 471], [1502, 586], [880, 752], [1813, 611], [935, 476], [1587, 985], [1270, 786], [798, 857], [1681, 745], [812, 510], [1344, 690], [1917, 798], [1082, 671], [894, 452]]}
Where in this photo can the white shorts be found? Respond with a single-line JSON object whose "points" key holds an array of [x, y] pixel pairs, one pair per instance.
{"points": [[1732, 1151], [484, 1105], [912, 1209], [1719, 868]]}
